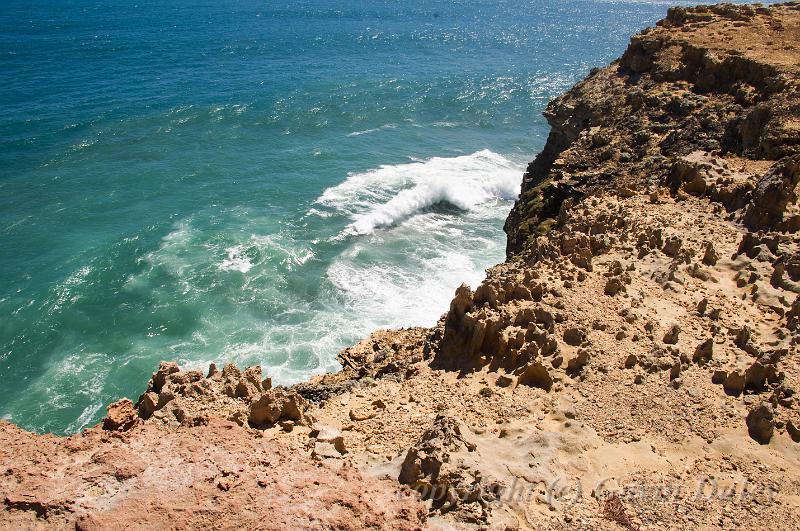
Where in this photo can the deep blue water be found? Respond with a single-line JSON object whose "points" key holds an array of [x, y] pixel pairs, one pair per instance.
{"points": [[258, 182]]}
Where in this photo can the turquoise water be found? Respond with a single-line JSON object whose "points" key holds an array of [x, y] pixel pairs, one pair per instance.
{"points": [[257, 182]]}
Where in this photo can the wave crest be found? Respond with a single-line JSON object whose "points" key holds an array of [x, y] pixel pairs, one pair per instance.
{"points": [[391, 194]]}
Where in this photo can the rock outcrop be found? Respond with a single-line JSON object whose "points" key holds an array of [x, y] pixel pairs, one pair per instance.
{"points": [[681, 90], [633, 363], [439, 467]]}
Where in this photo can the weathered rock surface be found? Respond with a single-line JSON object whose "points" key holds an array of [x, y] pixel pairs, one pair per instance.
{"points": [[121, 416], [276, 405], [641, 337], [156, 476], [438, 466]]}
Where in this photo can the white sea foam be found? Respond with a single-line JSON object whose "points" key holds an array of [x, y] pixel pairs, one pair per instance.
{"points": [[406, 274], [374, 130], [83, 144], [236, 261], [383, 294], [73, 383], [65, 291], [86, 417], [445, 124], [393, 193], [398, 266], [285, 250]]}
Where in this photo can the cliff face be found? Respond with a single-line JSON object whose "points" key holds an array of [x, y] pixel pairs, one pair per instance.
{"points": [[632, 364], [696, 82]]}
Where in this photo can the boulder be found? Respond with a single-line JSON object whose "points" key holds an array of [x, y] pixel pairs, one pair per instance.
{"points": [[574, 336], [710, 256], [505, 381], [165, 368], [328, 435], [324, 450], [278, 404], [793, 429], [535, 375], [231, 373], [764, 370], [148, 404], [672, 246], [774, 192], [691, 174], [734, 383], [576, 364], [761, 422], [121, 416], [671, 337], [613, 286], [250, 384], [460, 303], [361, 414], [704, 352], [440, 467]]}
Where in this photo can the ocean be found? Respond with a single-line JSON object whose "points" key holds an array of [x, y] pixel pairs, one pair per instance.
{"points": [[257, 181]]}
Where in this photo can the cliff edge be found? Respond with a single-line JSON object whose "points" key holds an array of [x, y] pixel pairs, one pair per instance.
{"points": [[632, 365]]}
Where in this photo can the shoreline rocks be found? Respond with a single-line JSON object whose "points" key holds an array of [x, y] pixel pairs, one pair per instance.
{"points": [[642, 336]]}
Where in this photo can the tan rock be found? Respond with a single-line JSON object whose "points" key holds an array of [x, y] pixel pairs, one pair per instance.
{"points": [[327, 434], [121, 416], [148, 404], [761, 423], [278, 404], [362, 414], [165, 369]]}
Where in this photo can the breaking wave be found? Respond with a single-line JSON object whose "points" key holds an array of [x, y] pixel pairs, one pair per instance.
{"points": [[392, 194]]}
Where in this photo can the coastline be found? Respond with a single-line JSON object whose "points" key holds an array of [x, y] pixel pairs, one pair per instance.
{"points": [[640, 338]]}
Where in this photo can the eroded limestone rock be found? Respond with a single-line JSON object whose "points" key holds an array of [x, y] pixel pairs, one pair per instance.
{"points": [[121, 416], [438, 467], [278, 404], [761, 422]]}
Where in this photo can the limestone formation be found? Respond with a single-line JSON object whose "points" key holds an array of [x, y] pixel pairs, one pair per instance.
{"points": [[774, 194], [761, 423], [437, 466], [641, 337], [121, 416], [278, 404]]}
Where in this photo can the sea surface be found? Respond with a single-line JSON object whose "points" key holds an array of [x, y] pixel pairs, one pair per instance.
{"points": [[257, 181]]}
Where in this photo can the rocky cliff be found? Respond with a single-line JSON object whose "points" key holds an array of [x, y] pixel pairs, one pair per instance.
{"points": [[633, 364]]}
